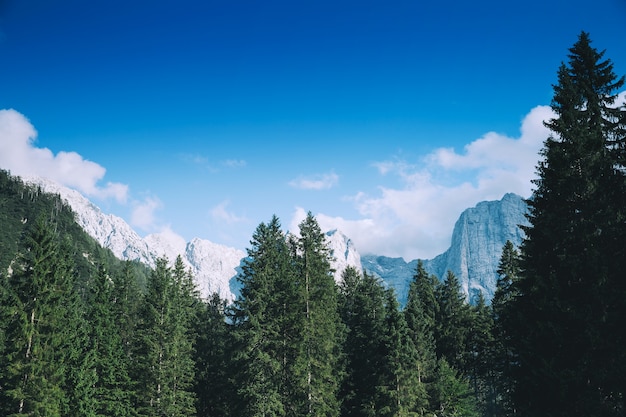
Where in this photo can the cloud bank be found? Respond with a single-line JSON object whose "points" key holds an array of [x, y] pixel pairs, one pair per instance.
{"points": [[417, 219], [19, 155]]}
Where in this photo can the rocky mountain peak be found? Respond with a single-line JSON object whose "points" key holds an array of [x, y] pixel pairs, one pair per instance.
{"points": [[477, 240]]}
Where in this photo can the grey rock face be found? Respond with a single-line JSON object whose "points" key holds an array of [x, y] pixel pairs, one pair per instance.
{"points": [[474, 253]]}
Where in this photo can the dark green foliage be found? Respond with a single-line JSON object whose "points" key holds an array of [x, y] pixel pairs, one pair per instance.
{"points": [[165, 348], [266, 326], [382, 365], [317, 366], [502, 357], [451, 394], [126, 298], [508, 273], [401, 392], [571, 296], [286, 325], [36, 350], [479, 352], [104, 344], [214, 377], [363, 313], [452, 323], [421, 313]]}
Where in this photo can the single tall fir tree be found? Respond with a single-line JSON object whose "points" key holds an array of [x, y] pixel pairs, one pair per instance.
{"points": [[452, 324], [265, 326], [165, 357], [569, 346], [111, 385], [502, 307], [35, 374], [318, 363]]}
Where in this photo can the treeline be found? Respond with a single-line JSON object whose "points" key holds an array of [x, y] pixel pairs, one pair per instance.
{"points": [[82, 335], [294, 343]]}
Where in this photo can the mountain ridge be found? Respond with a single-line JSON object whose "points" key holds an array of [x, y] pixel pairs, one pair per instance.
{"points": [[473, 255]]}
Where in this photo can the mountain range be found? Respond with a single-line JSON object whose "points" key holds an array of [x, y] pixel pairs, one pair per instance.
{"points": [[477, 240]]}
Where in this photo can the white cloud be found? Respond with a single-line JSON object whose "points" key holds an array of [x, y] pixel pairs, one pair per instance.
{"points": [[20, 155], [416, 220], [234, 163], [315, 182], [194, 158], [221, 214], [143, 215]]}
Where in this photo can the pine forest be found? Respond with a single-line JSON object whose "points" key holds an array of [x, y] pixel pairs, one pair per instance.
{"points": [[84, 334]]}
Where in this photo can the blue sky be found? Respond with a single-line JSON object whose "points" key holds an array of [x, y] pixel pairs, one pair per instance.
{"points": [[205, 118]]}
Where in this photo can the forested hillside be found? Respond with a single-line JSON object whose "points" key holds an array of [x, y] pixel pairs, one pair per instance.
{"points": [[22, 205], [82, 334]]}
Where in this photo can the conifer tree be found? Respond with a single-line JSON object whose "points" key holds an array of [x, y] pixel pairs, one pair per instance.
{"points": [[420, 312], [164, 355], [186, 299], [111, 383], [452, 323], [318, 362], [451, 394], [479, 356], [127, 301], [34, 367], [363, 313], [214, 379], [5, 318], [503, 312], [401, 391], [264, 325], [508, 273], [76, 353], [567, 341]]}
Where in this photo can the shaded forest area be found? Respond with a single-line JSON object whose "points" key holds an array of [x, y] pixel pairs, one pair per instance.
{"points": [[84, 334]]}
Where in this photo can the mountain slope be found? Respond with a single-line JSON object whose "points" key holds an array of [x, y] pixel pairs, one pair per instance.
{"points": [[23, 203], [212, 265]]}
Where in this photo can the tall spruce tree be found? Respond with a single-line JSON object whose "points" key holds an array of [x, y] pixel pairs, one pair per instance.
{"points": [[318, 362], [420, 312], [265, 330], [77, 354], [452, 323], [111, 384], [400, 391], [503, 312], [214, 377], [508, 272], [568, 344], [5, 318], [187, 305], [164, 356], [479, 356], [362, 310], [126, 304], [34, 364]]}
